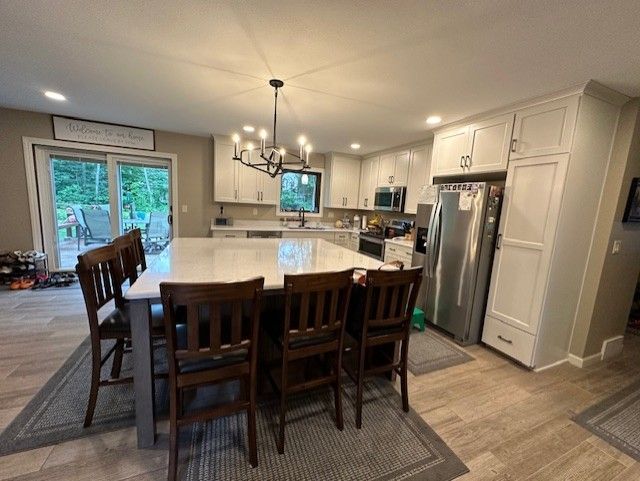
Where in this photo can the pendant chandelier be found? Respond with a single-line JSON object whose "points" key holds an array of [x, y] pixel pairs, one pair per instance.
{"points": [[272, 159]]}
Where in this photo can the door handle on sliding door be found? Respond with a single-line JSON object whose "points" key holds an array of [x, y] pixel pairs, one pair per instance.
{"points": [[499, 241]]}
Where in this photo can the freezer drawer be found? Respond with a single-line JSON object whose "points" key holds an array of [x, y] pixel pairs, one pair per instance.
{"points": [[507, 339]]}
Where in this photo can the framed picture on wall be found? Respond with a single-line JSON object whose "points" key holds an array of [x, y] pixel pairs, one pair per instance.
{"points": [[632, 211]]}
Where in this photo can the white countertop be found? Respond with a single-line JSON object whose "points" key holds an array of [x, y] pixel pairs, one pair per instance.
{"points": [[277, 226], [222, 259], [401, 241]]}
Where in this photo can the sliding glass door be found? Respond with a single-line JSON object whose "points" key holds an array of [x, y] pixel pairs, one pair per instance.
{"points": [[87, 199]]}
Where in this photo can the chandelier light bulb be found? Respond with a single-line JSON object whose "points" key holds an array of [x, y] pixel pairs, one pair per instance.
{"points": [[282, 154], [235, 138], [263, 134], [302, 140], [250, 146]]}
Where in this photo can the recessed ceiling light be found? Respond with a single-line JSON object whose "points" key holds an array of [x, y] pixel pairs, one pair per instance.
{"points": [[355, 146], [249, 128], [434, 119], [55, 95]]}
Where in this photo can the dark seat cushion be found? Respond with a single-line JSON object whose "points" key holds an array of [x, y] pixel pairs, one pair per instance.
{"points": [[214, 362], [274, 331], [117, 324]]}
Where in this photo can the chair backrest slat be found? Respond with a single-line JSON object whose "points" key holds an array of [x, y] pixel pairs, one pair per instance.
{"points": [[126, 248], [306, 295], [319, 315], [221, 317], [140, 259], [236, 323], [99, 274], [391, 298]]}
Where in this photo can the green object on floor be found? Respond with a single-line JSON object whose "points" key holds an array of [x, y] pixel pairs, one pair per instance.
{"points": [[417, 320]]}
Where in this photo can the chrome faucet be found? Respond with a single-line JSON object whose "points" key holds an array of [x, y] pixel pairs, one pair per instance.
{"points": [[301, 216]]}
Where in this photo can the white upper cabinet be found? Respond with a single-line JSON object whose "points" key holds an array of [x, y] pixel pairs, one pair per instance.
{"points": [[368, 182], [269, 189], [340, 184], [530, 212], [225, 172], [480, 147], [393, 169], [489, 143], [449, 151], [419, 169], [545, 129]]}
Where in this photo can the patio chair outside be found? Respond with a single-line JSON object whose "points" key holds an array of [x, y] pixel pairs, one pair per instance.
{"points": [[157, 232], [98, 224]]}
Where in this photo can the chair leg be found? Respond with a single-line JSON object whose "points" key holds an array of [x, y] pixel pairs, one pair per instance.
{"points": [[95, 383], [173, 439], [118, 353], [403, 379], [251, 423], [338, 391], [283, 406], [360, 375]]}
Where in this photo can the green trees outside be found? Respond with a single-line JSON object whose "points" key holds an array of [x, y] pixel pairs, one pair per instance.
{"points": [[85, 183], [295, 194]]}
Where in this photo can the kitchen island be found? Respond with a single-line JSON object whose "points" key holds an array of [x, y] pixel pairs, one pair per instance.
{"points": [[219, 260]]}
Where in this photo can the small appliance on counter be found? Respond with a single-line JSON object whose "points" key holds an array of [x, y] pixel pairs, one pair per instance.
{"points": [[222, 220], [371, 242]]}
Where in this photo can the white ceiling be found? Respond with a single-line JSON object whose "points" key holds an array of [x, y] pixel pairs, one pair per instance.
{"points": [[369, 71]]}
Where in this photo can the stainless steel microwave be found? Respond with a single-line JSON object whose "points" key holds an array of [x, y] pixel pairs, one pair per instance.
{"points": [[390, 199]]}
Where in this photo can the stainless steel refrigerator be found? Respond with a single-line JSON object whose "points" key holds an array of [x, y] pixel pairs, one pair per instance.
{"points": [[458, 254]]}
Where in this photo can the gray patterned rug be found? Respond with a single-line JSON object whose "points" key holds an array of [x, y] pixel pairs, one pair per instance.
{"points": [[391, 445], [616, 419], [430, 351]]}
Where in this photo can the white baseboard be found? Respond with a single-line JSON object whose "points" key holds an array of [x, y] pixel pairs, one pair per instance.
{"points": [[612, 347], [585, 361], [544, 368]]}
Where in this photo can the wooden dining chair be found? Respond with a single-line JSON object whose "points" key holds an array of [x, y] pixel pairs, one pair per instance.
{"points": [[383, 318], [140, 259], [314, 318], [217, 344], [127, 254], [100, 276]]}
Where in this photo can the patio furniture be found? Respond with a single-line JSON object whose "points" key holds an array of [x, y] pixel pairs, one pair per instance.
{"points": [[69, 228], [157, 235], [98, 226]]}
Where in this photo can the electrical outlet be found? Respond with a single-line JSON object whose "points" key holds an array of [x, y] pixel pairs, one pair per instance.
{"points": [[330, 215], [617, 245], [184, 208], [255, 211]]}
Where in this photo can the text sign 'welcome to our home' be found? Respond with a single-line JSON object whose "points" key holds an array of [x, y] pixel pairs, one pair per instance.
{"points": [[104, 134]]}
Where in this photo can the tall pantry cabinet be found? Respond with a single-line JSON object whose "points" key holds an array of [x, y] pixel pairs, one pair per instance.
{"points": [[559, 156]]}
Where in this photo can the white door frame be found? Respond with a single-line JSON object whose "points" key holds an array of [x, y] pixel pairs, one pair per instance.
{"points": [[28, 146]]}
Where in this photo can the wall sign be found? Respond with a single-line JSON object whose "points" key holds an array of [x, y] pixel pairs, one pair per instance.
{"points": [[76, 130]]}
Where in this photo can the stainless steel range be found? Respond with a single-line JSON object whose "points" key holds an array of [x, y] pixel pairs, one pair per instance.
{"points": [[371, 243]]}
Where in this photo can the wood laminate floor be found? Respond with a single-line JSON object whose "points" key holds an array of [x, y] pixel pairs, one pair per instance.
{"points": [[504, 422]]}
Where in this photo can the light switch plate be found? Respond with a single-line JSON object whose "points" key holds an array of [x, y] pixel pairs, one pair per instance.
{"points": [[330, 215], [185, 208], [617, 245], [255, 211]]}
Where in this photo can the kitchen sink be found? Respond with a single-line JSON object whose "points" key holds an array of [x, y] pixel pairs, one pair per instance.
{"points": [[305, 228]]}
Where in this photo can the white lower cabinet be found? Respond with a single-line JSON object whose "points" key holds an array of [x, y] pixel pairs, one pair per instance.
{"points": [[229, 234], [397, 252], [509, 340]]}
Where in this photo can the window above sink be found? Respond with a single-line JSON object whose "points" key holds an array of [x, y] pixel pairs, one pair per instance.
{"points": [[298, 190]]}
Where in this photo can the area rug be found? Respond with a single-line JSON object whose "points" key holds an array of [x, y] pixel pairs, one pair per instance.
{"points": [[429, 351], [392, 445], [57, 412], [616, 419]]}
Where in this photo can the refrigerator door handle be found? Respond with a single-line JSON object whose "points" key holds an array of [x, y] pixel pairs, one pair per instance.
{"points": [[435, 240], [429, 240]]}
